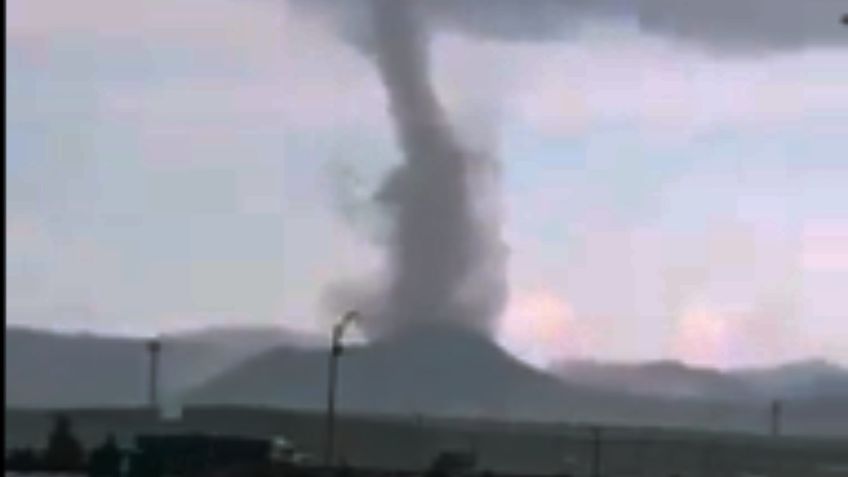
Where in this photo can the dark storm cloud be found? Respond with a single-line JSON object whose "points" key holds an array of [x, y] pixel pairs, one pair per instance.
{"points": [[721, 26]]}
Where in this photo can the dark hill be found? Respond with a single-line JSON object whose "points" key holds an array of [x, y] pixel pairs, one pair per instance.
{"points": [[430, 369], [800, 380], [48, 369], [660, 378], [426, 371], [447, 372]]}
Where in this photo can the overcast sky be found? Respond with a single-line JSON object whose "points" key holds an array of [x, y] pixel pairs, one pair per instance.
{"points": [[675, 181]]}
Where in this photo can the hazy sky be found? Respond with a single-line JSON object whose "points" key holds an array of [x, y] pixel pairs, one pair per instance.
{"points": [[181, 163]]}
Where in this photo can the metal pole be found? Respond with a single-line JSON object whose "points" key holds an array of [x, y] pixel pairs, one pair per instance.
{"points": [[776, 411], [596, 452], [332, 371], [331, 400], [153, 346], [708, 458]]}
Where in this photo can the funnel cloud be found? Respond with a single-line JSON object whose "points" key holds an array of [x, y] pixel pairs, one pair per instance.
{"points": [[446, 260]]}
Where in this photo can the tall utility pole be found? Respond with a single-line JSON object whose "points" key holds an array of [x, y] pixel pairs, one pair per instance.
{"points": [[776, 417], [153, 347], [335, 352], [596, 451]]}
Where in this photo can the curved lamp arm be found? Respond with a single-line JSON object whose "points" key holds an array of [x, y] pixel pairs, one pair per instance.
{"points": [[339, 329]]}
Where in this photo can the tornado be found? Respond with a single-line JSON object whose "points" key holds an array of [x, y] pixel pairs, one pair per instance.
{"points": [[446, 257]]}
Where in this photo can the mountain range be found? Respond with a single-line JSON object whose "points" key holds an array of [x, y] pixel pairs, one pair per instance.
{"points": [[48, 369], [426, 371], [802, 379]]}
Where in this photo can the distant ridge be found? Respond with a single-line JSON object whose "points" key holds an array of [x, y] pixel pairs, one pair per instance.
{"points": [[443, 372], [803, 379], [427, 371], [50, 369], [431, 368]]}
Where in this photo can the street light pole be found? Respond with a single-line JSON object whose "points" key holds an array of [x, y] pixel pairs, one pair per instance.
{"points": [[776, 417], [596, 451], [153, 347], [331, 402], [332, 373]]}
